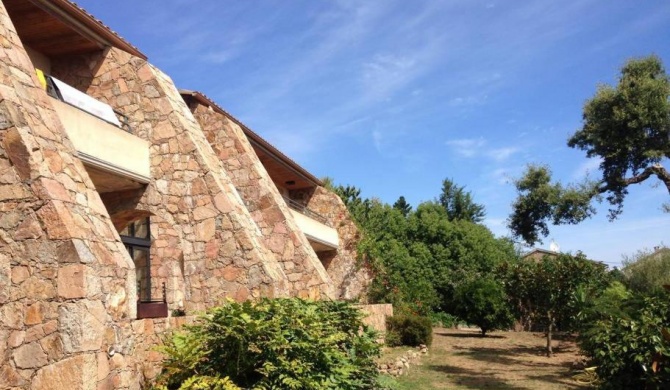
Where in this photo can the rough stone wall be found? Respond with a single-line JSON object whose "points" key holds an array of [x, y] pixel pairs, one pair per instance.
{"points": [[281, 234], [350, 276], [376, 316], [205, 244], [66, 281]]}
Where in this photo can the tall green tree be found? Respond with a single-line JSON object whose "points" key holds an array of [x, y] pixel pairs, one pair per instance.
{"points": [[459, 203], [647, 272], [547, 290], [626, 127], [402, 206]]}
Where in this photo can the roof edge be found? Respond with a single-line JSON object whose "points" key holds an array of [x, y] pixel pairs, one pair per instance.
{"points": [[254, 138], [87, 24]]}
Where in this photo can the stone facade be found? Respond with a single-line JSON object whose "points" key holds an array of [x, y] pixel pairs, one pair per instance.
{"points": [[205, 244], [219, 226], [280, 232], [65, 278], [350, 276]]}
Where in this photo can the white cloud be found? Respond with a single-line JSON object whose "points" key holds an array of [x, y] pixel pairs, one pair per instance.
{"points": [[467, 147], [476, 147], [386, 74], [377, 138], [587, 169], [502, 154]]}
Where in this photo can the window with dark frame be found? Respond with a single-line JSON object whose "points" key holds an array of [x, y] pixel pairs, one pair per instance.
{"points": [[137, 239]]}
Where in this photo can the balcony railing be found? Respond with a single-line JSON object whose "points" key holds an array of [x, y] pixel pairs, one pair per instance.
{"points": [[149, 308], [302, 209], [69, 95]]}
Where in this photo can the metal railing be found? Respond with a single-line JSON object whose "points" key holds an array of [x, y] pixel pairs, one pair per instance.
{"points": [[52, 91], [139, 295], [301, 208]]}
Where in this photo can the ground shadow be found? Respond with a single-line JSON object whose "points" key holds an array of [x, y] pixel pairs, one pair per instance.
{"points": [[473, 379], [470, 335], [509, 356]]}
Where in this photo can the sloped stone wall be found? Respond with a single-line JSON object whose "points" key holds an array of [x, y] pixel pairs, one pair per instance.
{"points": [[351, 276], [66, 281], [205, 245], [306, 275]]}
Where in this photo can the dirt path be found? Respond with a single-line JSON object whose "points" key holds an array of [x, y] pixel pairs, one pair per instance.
{"points": [[461, 359]]}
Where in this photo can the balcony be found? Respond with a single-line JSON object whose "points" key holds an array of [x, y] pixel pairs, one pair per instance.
{"points": [[315, 227], [115, 159]]}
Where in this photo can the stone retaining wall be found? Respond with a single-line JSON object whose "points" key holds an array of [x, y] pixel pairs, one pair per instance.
{"points": [[376, 315]]}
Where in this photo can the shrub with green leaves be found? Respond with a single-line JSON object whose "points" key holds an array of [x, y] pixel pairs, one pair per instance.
{"points": [[631, 351], [408, 329], [483, 302], [275, 344]]}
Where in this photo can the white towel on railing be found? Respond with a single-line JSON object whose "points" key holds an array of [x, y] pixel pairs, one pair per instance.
{"points": [[87, 103]]}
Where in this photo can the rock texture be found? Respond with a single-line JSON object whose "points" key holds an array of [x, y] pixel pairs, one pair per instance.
{"points": [[219, 227], [206, 246], [350, 275], [60, 257], [281, 234]]}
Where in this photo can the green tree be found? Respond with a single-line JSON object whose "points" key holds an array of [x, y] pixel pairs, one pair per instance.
{"points": [[459, 203], [547, 290], [483, 302], [627, 127], [402, 206], [646, 272]]}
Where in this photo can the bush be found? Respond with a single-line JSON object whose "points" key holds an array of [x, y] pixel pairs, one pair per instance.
{"points": [[407, 329], [275, 343], [483, 302], [444, 319], [646, 272], [633, 351]]}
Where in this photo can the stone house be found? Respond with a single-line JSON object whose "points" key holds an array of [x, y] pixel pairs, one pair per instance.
{"points": [[538, 253], [123, 199]]}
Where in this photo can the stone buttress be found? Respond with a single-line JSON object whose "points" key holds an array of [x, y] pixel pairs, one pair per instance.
{"points": [[205, 244], [66, 281], [306, 274]]}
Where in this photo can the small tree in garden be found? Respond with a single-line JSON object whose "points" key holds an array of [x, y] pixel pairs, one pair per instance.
{"points": [[546, 290], [483, 302]]}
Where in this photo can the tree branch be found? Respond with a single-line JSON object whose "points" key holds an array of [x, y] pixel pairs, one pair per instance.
{"points": [[656, 169]]}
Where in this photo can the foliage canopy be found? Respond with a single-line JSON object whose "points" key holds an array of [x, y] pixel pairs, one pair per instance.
{"points": [[626, 127]]}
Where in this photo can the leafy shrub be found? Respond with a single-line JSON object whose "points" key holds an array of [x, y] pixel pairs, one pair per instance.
{"points": [[200, 382], [275, 343], [407, 329], [444, 319], [483, 302], [647, 271], [632, 352]]}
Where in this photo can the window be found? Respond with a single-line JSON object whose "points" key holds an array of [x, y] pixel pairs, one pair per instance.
{"points": [[137, 239]]}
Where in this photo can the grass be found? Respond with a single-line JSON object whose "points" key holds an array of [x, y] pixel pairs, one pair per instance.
{"points": [[461, 359]]}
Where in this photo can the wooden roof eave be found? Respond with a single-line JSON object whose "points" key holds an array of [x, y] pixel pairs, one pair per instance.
{"points": [[256, 140], [86, 25]]}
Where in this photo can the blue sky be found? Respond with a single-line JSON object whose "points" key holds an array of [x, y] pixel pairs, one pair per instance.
{"points": [[394, 96]]}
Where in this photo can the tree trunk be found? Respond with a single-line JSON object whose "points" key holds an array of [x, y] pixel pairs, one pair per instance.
{"points": [[550, 327]]}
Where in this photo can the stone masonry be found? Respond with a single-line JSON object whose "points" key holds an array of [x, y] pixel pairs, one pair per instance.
{"points": [[65, 285], [281, 233], [350, 275], [219, 227], [206, 246]]}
